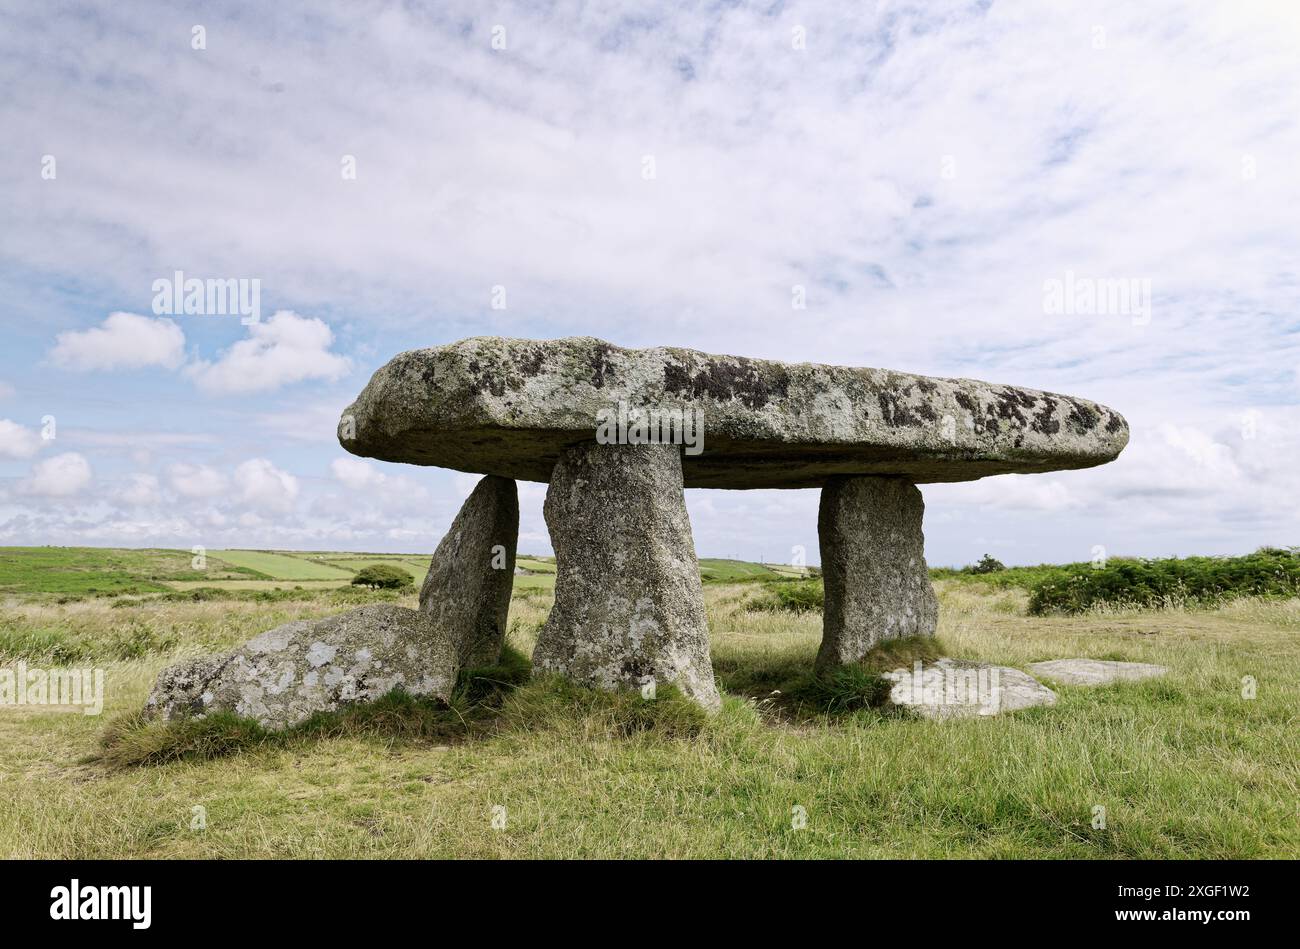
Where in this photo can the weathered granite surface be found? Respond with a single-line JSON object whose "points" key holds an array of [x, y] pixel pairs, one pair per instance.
{"points": [[629, 610], [956, 688], [288, 673], [873, 566], [1095, 671], [509, 406], [467, 589]]}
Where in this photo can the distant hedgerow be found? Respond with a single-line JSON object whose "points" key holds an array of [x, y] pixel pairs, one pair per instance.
{"points": [[1168, 581]]}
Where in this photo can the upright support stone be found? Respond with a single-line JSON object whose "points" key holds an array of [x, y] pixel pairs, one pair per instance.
{"points": [[467, 590], [628, 609], [873, 564]]}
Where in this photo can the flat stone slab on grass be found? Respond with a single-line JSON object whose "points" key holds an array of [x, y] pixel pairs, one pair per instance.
{"points": [[510, 406], [1095, 671], [287, 674], [956, 688]]}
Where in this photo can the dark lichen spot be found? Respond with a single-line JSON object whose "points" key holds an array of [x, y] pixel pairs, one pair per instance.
{"points": [[600, 364], [1083, 418], [1012, 404], [1115, 423], [484, 379], [1009, 411], [966, 402], [752, 382], [677, 378], [531, 361], [898, 416], [636, 668], [1045, 418], [428, 374]]}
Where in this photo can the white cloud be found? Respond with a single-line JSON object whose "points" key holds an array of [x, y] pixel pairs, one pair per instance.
{"points": [[1046, 493], [314, 421], [286, 349], [140, 490], [371, 492], [123, 341], [197, 481], [18, 441], [356, 473], [262, 485], [62, 476]]}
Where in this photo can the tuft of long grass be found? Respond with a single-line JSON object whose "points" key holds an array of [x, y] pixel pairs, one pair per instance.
{"points": [[551, 703], [789, 687]]}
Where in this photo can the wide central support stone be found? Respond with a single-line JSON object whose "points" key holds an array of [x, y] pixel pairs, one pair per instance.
{"points": [[873, 563], [629, 609]]}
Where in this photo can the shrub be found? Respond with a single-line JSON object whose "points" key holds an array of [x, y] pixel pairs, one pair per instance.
{"points": [[791, 596], [382, 576], [988, 564], [1168, 581]]}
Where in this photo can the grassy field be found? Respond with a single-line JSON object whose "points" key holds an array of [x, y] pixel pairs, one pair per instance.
{"points": [[1185, 766], [284, 566], [95, 570]]}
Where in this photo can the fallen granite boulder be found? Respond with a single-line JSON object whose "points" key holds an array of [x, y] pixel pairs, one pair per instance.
{"points": [[1095, 671], [287, 674], [508, 407], [956, 688]]}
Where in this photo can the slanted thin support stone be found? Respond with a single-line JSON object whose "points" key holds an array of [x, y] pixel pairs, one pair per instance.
{"points": [[629, 609], [873, 564], [467, 589]]}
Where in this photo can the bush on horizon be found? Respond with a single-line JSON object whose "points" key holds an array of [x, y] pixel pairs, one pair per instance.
{"points": [[382, 576]]}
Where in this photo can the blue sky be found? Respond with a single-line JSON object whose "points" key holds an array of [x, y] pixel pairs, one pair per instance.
{"points": [[923, 171]]}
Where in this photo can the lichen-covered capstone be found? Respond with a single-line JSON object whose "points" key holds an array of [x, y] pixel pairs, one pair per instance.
{"points": [[877, 586], [629, 610], [510, 406], [287, 674], [467, 590]]}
